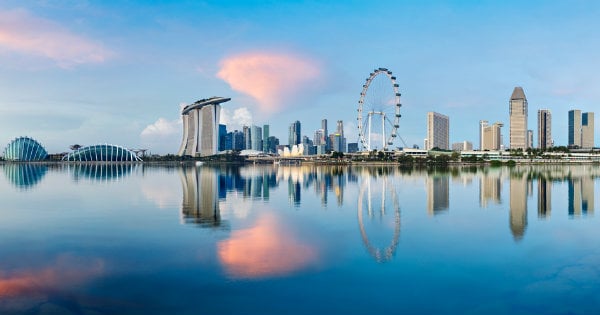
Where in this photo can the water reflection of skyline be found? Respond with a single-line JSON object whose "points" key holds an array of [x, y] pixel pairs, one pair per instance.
{"points": [[524, 182], [203, 190], [24, 175], [101, 172]]}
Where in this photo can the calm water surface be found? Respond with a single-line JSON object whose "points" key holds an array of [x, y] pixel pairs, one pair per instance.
{"points": [[139, 239]]}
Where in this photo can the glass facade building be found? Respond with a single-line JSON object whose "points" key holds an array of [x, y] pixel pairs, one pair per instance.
{"points": [[24, 149], [102, 152]]}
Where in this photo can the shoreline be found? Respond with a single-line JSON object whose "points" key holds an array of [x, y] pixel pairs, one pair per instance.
{"points": [[321, 162]]}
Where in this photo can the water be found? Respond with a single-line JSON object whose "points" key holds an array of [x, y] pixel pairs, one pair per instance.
{"points": [[139, 239]]}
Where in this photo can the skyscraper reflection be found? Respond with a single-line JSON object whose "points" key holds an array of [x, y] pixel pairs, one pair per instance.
{"points": [[544, 197], [518, 205], [200, 203], [438, 193], [490, 187], [581, 196]]}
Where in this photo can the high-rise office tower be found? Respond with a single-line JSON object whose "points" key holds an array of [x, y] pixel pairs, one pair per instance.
{"points": [[529, 138], [518, 119], [256, 133], [492, 137], [247, 138], [340, 131], [294, 134], [265, 138], [201, 127], [482, 125], [438, 131], [575, 128], [325, 134], [319, 137], [223, 138], [544, 129], [587, 130]]}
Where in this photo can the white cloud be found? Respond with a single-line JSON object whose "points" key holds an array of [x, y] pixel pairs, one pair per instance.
{"points": [[237, 118], [162, 128], [163, 136]]}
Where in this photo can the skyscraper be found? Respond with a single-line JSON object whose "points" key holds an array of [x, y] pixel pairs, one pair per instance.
{"points": [[325, 134], [482, 125], [529, 138], [518, 119], [294, 133], [340, 131], [438, 131], [201, 127], [256, 134], [247, 138], [575, 128], [265, 138], [587, 130], [544, 129], [492, 137]]}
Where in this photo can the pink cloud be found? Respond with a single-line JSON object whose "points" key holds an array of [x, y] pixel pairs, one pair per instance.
{"points": [[270, 78], [24, 33]]}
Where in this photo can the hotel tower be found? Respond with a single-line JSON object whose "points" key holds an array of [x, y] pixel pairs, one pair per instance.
{"points": [[201, 127]]}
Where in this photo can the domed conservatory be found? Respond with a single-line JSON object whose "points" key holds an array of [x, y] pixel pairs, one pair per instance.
{"points": [[102, 153], [25, 149]]}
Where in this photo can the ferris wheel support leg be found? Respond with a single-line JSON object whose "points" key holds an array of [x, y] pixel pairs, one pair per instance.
{"points": [[383, 139], [369, 134]]}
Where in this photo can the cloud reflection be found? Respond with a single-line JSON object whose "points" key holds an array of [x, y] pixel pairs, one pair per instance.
{"points": [[267, 249], [51, 284]]}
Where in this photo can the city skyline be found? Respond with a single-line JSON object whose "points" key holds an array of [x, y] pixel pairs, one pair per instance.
{"points": [[110, 73]]}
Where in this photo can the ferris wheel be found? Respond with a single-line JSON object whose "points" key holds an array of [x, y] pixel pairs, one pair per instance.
{"points": [[380, 98]]}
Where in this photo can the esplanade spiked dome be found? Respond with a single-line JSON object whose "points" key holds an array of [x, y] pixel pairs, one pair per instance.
{"points": [[518, 94]]}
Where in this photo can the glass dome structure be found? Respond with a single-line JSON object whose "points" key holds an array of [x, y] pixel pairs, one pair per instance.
{"points": [[25, 149], [102, 153]]}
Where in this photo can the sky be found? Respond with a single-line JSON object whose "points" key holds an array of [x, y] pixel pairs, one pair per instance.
{"points": [[119, 72]]}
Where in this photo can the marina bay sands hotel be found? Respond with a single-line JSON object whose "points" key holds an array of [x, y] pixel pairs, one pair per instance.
{"points": [[201, 127]]}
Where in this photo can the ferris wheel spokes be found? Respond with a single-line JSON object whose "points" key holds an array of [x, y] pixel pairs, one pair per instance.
{"points": [[379, 96]]}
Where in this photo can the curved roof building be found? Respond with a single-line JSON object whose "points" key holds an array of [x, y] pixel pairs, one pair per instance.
{"points": [[102, 153], [25, 149], [201, 127]]}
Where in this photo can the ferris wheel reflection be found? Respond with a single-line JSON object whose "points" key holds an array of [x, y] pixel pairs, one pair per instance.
{"points": [[378, 198]]}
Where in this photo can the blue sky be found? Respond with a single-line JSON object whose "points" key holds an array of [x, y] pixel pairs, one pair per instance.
{"points": [[118, 72]]}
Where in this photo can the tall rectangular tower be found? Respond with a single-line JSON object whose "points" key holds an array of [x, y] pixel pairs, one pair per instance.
{"points": [[544, 129], [575, 128], [438, 131], [587, 130], [265, 138], [518, 119], [492, 137], [294, 133], [482, 125], [325, 134], [256, 134]]}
